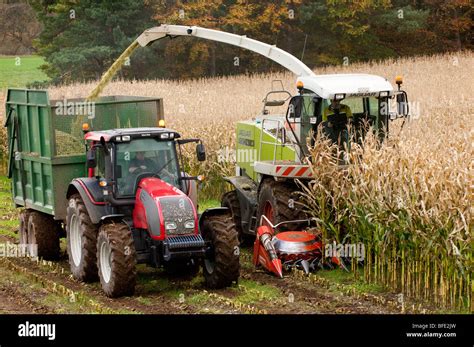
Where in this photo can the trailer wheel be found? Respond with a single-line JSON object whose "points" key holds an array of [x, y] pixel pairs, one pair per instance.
{"points": [[81, 241], [231, 201], [222, 266], [278, 202], [116, 260], [23, 229], [43, 232]]}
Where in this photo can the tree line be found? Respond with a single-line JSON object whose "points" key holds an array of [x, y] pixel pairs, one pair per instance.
{"points": [[81, 38]]}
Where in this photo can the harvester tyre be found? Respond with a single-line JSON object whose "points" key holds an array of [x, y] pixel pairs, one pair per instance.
{"points": [[231, 201], [280, 202], [222, 267], [43, 231], [116, 260], [81, 236]]}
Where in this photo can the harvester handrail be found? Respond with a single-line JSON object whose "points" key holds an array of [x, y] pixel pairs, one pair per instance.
{"points": [[272, 52], [277, 143]]}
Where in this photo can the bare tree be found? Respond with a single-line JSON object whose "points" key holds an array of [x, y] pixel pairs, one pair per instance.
{"points": [[18, 28]]}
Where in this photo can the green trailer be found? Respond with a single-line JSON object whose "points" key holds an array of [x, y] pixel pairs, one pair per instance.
{"points": [[46, 146]]}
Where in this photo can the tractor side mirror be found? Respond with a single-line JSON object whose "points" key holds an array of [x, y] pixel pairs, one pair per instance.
{"points": [[200, 152], [402, 104], [91, 159], [104, 145]]}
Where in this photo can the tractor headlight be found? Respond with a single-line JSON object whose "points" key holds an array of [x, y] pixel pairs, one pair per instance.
{"points": [[165, 136], [383, 94], [126, 138], [171, 226], [189, 224], [339, 96]]}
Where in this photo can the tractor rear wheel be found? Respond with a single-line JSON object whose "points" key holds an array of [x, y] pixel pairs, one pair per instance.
{"points": [[231, 201], [43, 231], [278, 201], [116, 260], [81, 241], [222, 266]]}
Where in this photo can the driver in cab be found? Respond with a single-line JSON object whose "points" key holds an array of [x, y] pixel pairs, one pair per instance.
{"points": [[140, 163]]}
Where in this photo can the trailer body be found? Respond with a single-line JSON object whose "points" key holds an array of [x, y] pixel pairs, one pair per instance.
{"points": [[46, 145]]}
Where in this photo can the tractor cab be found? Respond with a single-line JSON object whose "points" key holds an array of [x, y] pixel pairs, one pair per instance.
{"points": [[121, 158]]}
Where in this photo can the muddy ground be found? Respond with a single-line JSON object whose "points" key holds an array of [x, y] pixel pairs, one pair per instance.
{"points": [[28, 286]]}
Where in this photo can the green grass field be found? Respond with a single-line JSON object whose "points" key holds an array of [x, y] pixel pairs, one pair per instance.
{"points": [[19, 71]]}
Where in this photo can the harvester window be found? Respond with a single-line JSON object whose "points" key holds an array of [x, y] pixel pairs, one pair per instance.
{"points": [[308, 106], [356, 104], [373, 106], [302, 106]]}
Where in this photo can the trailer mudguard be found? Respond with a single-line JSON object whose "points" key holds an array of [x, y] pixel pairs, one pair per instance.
{"points": [[247, 193], [91, 194]]}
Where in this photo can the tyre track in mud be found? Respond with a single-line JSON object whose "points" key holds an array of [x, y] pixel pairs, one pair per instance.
{"points": [[297, 294], [14, 301], [55, 277]]}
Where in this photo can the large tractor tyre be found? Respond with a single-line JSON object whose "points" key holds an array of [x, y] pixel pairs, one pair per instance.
{"points": [[23, 229], [43, 232], [231, 201], [116, 260], [279, 202], [222, 266], [81, 236]]}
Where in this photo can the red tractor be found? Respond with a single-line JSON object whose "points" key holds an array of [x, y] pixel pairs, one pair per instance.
{"points": [[137, 206]]}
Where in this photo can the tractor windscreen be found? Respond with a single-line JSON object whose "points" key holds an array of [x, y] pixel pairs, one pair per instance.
{"points": [[145, 158]]}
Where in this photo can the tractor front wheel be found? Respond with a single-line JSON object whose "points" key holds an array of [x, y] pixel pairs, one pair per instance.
{"points": [[222, 266], [116, 260]]}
